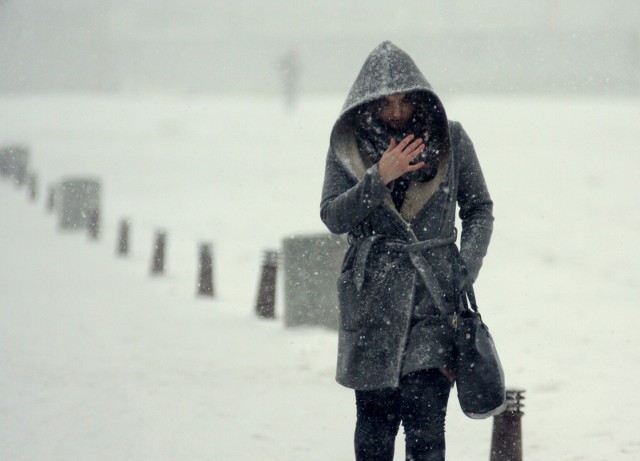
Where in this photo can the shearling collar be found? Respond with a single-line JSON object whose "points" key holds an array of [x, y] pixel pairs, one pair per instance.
{"points": [[343, 140]]}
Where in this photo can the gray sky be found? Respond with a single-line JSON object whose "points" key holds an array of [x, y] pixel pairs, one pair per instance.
{"points": [[235, 45]]}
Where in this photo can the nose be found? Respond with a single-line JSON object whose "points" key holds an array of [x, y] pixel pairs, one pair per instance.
{"points": [[396, 112]]}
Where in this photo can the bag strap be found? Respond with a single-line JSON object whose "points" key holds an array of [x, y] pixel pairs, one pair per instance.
{"points": [[467, 290], [472, 298], [468, 297]]}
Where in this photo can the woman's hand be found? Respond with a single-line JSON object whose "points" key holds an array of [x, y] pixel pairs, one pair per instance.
{"points": [[397, 159]]}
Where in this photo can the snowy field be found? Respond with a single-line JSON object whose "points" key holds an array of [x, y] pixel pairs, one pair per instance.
{"points": [[100, 361]]}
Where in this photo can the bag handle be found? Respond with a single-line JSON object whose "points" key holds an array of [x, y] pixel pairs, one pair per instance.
{"points": [[471, 305], [466, 290]]}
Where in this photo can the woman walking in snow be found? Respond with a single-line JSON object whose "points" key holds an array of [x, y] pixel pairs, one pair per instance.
{"points": [[395, 170]]}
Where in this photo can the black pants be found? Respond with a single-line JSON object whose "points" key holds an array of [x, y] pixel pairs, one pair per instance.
{"points": [[420, 403]]}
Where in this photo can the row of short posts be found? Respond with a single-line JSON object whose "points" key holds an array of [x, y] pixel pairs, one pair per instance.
{"points": [[205, 280], [506, 439], [265, 302], [205, 286]]}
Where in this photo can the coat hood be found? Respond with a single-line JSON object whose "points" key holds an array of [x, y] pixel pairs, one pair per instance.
{"points": [[387, 70]]}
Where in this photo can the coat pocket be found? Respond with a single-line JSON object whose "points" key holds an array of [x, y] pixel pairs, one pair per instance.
{"points": [[349, 303]]}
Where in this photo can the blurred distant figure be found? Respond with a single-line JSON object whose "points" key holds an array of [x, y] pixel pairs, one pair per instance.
{"points": [[289, 67], [395, 170]]}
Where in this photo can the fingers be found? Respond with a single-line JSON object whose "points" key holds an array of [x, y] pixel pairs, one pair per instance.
{"points": [[408, 146], [392, 145], [415, 167], [414, 148], [397, 159], [409, 152], [405, 142]]}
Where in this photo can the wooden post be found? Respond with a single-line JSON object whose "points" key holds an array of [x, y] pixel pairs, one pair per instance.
{"points": [[265, 305], [123, 238], [506, 440], [51, 199], [94, 224], [157, 264], [205, 272], [33, 187]]}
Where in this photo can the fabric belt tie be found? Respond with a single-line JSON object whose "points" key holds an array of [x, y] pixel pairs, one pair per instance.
{"points": [[418, 260]]}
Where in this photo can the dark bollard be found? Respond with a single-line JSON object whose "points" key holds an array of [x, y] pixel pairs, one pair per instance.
{"points": [[94, 224], [506, 441], [51, 199], [205, 270], [123, 238], [157, 265], [265, 305], [33, 187]]}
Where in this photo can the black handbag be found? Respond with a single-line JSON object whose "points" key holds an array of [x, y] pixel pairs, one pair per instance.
{"points": [[479, 378]]}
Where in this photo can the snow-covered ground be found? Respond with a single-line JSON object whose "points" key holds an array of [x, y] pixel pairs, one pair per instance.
{"points": [[100, 361]]}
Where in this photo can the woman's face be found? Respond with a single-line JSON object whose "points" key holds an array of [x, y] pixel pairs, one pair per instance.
{"points": [[396, 110]]}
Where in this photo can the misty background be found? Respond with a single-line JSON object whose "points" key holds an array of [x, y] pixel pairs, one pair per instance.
{"points": [[248, 46], [176, 107]]}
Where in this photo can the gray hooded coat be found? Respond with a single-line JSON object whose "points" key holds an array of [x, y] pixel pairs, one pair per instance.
{"points": [[399, 283]]}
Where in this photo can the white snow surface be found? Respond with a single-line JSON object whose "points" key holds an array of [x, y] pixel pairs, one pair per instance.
{"points": [[101, 361]]}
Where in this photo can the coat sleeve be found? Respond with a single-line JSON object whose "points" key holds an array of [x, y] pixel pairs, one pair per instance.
{"points": [[476, 207], [346, 202]]}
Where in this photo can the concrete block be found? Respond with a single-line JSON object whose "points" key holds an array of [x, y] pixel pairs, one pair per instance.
{"points": [[79, 198], [311, 265]]}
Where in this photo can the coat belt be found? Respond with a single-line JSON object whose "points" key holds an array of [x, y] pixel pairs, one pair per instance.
{"points": [[414, 249]]}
